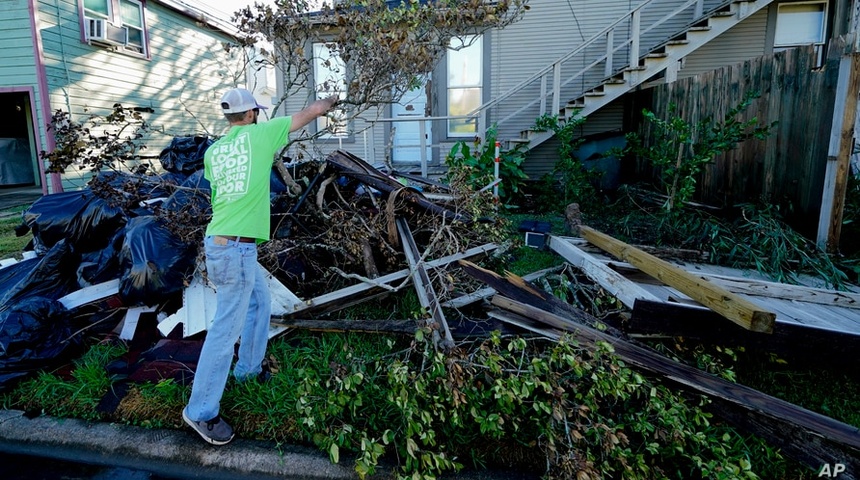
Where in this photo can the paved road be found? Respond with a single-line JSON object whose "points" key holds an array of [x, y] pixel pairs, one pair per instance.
{"points": [[23, 467]]}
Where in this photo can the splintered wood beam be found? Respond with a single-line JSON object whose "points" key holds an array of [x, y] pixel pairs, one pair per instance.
{"points": [[488, 292], [516, 287], [809, 437], [729, 305], [424, 287]]}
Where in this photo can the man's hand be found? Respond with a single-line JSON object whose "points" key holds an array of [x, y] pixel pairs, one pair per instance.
{"points": [[312, 111]]}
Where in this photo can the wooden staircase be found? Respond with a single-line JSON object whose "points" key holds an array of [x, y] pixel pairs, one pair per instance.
{"points": [[620, 66]]}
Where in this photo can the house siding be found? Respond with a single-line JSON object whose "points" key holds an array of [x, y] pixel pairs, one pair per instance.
{"points": [[181, 81], [742, 42]]}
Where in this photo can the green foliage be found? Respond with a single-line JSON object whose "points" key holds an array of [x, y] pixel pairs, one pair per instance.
{"points": [[570, 181], [476, 164], [76, 396], [578, 412], [758, 238], [680, 150]]}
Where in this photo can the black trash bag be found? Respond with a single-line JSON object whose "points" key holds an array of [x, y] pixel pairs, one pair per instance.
{"points": [[197, 181], [277, 186], [87, 221], [12, 274], [154, 262], [35, 334], [102, 265], [52, 276], [189, 203], [185, 154]]}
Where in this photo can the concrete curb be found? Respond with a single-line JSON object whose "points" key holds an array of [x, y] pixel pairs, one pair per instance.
{"points": [[163, 452], [182, 454]]}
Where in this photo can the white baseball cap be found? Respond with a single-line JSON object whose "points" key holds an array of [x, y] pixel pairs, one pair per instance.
{"points": [[239, 100]]}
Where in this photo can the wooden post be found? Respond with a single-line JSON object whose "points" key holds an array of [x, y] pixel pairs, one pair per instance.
{"points": [[839, 151]]}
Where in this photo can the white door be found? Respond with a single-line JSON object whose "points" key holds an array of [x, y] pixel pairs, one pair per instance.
{"points": [[407, 136]]}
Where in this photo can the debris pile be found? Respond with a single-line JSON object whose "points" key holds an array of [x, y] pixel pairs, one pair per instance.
{"points": [[129, 243]]}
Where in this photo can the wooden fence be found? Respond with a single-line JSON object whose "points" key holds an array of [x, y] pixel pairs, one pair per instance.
{"points": [[788, 168]]}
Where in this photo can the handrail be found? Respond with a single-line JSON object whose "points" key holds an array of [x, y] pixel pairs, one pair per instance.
{"points": [[564, 58]]}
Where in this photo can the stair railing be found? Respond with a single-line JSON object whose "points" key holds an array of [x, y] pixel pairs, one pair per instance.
{"points": [[606, 40]]}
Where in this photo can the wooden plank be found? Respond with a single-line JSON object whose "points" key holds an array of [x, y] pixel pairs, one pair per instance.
{"points": [[516, 287], [613, 282], [742, 285], [839, 152], [807, 436], [406, 327], [732, 306], [337, 300], [424, 288], [763, 288], [488, 292]]}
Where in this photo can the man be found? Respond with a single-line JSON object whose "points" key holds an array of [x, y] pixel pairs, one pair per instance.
{"points": [[238, 167]]}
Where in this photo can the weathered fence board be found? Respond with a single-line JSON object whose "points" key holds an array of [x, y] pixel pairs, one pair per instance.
{"points": [[787, 167]]}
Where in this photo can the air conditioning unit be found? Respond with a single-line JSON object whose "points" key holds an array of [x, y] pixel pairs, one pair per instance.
{"points": [[101, 31]]}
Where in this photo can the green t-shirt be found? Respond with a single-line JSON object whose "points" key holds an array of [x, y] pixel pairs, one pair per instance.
{"points": [[238, 167]]}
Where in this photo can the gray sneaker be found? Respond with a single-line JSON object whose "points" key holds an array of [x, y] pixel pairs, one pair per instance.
{"points": [[215, 431]]}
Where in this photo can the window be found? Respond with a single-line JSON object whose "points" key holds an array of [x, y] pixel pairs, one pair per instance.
{"points": [[465, 84], [115, 22], [801, 24], [330, 79], [131, 14]]}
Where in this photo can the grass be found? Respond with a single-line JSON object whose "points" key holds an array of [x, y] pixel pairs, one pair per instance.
{"points": [[10, 245]]}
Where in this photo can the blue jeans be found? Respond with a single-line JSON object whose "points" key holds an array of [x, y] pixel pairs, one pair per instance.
{"points": [[243, 310]]}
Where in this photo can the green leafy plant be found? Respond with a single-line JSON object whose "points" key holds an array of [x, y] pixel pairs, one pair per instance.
{"points": [[570, 181], [680, 150], [476, 164]]}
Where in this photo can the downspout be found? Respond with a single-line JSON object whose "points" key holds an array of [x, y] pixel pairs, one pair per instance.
{"points": [[56, 184]]}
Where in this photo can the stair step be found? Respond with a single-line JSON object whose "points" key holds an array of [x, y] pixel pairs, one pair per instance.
{"points": [[703, 28], [657, 55], [678, 41]]}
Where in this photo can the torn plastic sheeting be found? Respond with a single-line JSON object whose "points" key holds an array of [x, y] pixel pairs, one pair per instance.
{"points": [[34, 334], [154, 262], [88, 222]]}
